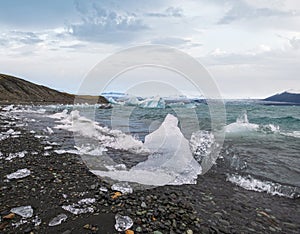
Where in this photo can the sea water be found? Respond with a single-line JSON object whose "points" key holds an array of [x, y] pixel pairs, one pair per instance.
{"points": [[261, 151]]}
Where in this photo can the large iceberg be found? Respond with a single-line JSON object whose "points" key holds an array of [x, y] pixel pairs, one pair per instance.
{"points": [[156, 102], [128, 100], [170, 161]]}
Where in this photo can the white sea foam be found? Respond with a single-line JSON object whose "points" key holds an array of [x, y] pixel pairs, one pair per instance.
{"points": [[60, 115], [90, 129], [269, 128], [91, 150], [250, 183], [295, 134]]}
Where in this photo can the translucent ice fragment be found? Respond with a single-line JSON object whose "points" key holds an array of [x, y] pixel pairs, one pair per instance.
{"points": [[74, 209], [123, 223], [103, 189], [24, 211], [58, 220], [22, 173], [122, 187], [36, 221], [16, 155], [87, 201]]}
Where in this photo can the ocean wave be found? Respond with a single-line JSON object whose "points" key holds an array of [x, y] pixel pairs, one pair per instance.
{"points": [[243, 126], [250, 183], [106, 137], [295, 134], [279, 119]]}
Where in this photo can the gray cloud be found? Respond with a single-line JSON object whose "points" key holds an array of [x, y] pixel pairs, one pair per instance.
{"points": [[174, 41], [28, 38], [295, 43], [169, 12], [105, 25], [75, 46], [241, 10], [24, 38], [256, 56]]}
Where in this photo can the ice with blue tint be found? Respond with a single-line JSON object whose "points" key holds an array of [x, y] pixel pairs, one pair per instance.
{"points": [[156, 102]]}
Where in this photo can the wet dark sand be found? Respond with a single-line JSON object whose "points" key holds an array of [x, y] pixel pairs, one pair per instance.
{"points": [[211, 206]]}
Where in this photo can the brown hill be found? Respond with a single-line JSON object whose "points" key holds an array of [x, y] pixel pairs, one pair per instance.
{"points": [[18, 91]]}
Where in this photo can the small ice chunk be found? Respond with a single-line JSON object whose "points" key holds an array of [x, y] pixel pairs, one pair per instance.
{"points": [[16, 155], [38, 136], [87, 201], [61, 115], [58, 220], [8, 108], [122, 187], [16, 133], [52, 143], [74, 209], [48, 147], [21, 222], [3, 137], [21, 173], [24, 211], [36, 221], [123, 223], [118, 167], [49, 130], [10, 131], [66, 151], [103, 189]]}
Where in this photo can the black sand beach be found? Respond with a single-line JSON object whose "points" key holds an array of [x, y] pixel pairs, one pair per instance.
{"points": [[56, 180]]}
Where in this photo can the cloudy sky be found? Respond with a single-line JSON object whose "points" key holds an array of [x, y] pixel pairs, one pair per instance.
{"points": [[251, 47]]}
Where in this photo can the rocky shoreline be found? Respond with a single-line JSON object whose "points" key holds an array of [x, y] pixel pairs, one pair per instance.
{"points": [[60, 183]]}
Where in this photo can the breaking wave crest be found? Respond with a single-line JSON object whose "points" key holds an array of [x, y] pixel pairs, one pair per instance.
{"points": [[250, 183], [243, 126], [106, 137]]}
